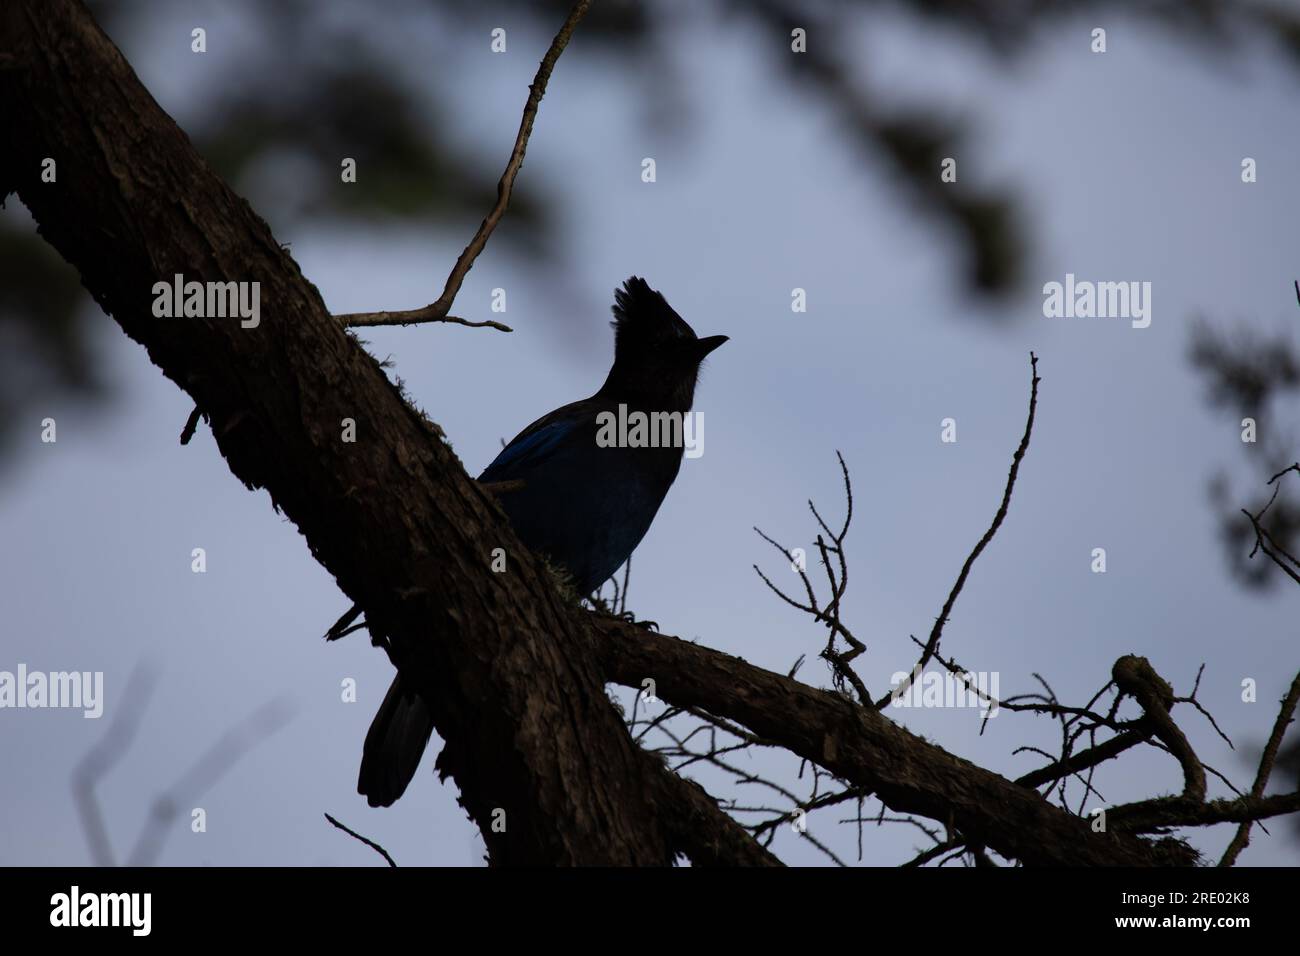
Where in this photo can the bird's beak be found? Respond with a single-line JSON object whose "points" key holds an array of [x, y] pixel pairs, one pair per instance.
{"points": [[706, 345]]}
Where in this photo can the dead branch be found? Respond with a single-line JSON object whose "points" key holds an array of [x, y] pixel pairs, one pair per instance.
{"points": [[1285, 715], [437, 311], [936, 632], [368, 842], [211, 766]]}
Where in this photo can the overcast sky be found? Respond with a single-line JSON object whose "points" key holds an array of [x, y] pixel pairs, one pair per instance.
{"points": [[1129, 165]]}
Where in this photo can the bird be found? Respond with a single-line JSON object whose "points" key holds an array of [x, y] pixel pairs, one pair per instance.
{"points": [[573, 496]]}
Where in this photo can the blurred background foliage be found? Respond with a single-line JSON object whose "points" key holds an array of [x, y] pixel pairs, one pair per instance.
{"points": [[320, 80]]}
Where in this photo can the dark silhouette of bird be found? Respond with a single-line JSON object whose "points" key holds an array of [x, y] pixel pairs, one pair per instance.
{"points": [[571, 495]]}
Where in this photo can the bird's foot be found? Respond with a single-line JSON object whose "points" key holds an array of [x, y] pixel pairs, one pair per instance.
{"points": [[601, 606]]}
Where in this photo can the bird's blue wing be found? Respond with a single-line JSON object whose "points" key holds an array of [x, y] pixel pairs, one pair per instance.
{"points": [[532, 447]]}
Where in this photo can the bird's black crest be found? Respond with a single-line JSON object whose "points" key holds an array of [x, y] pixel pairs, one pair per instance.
{"points": [[643, 316]]}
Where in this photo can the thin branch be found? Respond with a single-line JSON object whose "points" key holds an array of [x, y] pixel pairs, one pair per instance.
{"points": [[415, 317], [437, 312], [1284, 717], [370, 843], [840, 661], [121, 733], [934, 851], [937, 631], [215, 762], [1294, 467], [105, 755], [620, 595], [1085, 759], [1264, 542]]}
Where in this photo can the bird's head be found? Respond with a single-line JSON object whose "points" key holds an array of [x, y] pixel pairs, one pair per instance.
{"points": [[657, 355]]}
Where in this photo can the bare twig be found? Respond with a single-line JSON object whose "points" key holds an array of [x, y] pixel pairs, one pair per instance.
{"points": [[207, 770], [215, 762], [934, 851], [105, 755], [1275, 552], [936, 632], [840, 661], [370, 843], [1284, 717], [416, 317], [437, 311]]}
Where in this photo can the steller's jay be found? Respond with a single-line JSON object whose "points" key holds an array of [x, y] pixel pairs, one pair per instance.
{"points": [[583, 504]]}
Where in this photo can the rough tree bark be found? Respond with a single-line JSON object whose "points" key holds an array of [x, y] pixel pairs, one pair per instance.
{"points": [[515, 674], [516, 694]]}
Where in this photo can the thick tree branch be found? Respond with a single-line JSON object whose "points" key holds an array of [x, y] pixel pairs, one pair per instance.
{"points": [[500, 657], [1165, 812], [867, 749]]}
